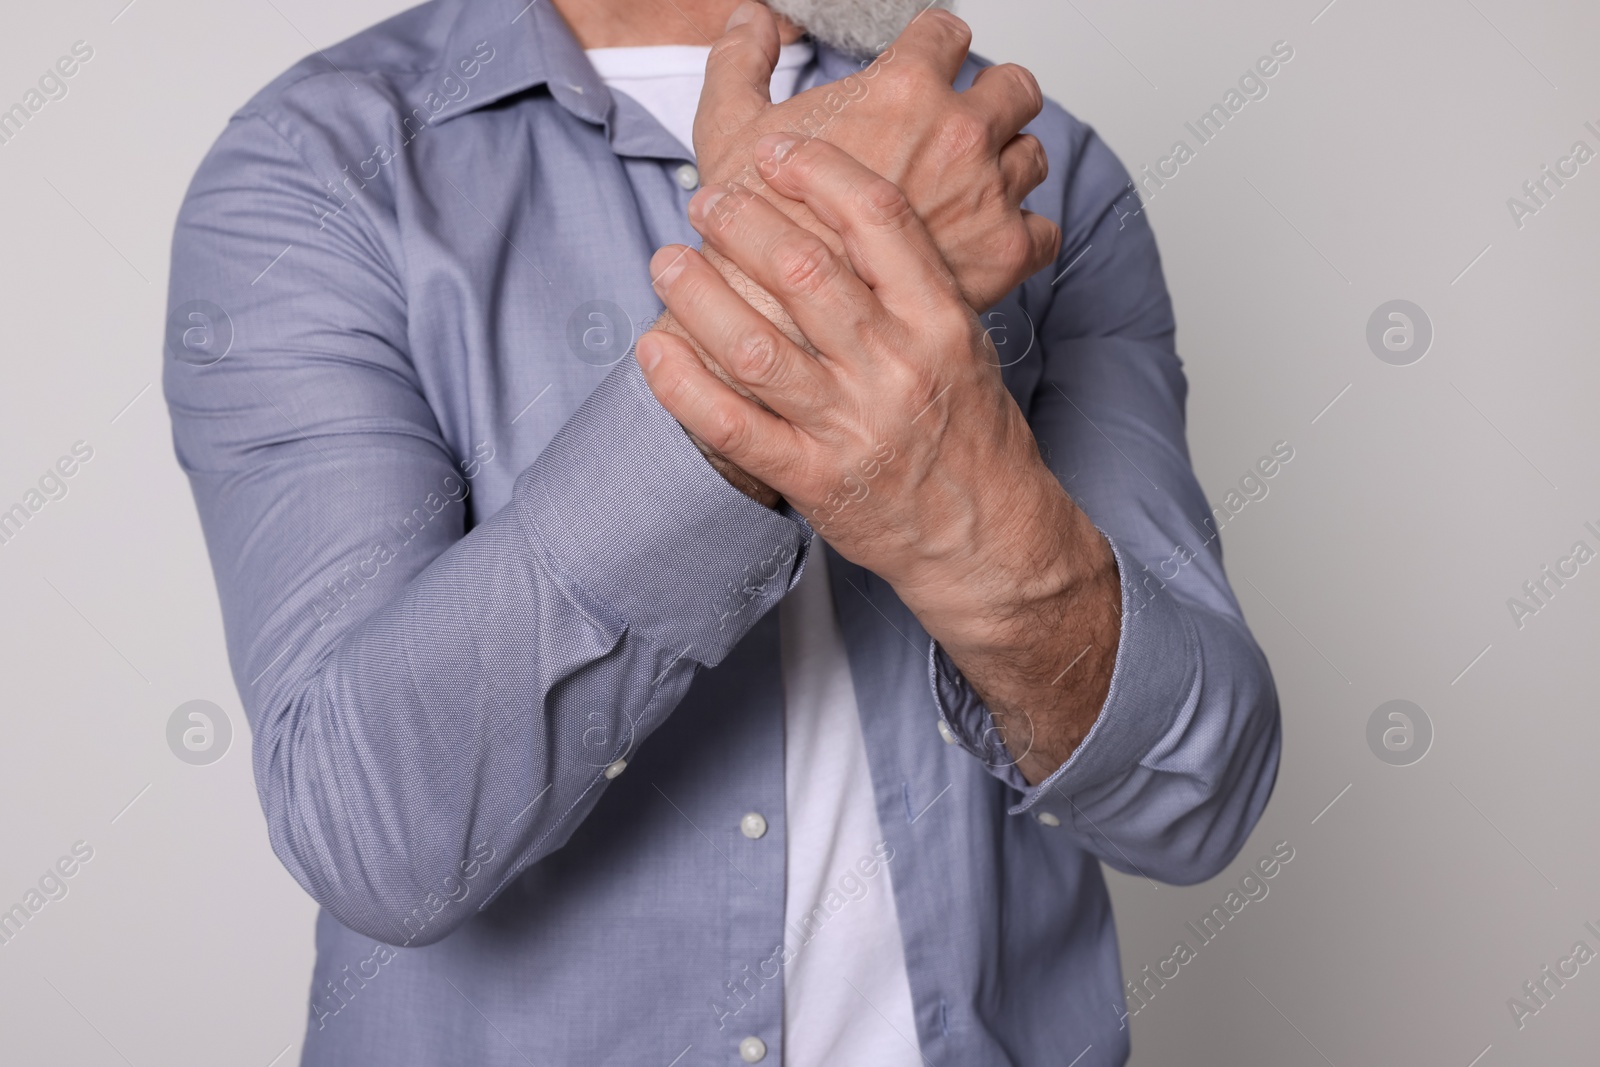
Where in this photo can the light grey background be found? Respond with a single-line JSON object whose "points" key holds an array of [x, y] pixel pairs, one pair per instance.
{"points": [[1379, 567]]}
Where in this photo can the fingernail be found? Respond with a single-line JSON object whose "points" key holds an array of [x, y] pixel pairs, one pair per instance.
{"points": [[701, 203], [741, 15], [670, 272], [774, 148], [649, 352]]}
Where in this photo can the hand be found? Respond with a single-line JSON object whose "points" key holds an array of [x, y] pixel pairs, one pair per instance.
{"points": [[958, 156], [884, 420], [887, 425]]}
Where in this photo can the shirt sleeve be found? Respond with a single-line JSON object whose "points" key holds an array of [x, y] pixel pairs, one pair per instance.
{"points": [[433, 709], [1183, 756]]}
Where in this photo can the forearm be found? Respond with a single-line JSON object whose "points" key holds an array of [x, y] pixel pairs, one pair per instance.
{"points": [[525, 658], [1033, 621]]}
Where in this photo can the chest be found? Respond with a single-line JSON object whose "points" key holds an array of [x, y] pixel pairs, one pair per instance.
{"points": [[524, 240]]}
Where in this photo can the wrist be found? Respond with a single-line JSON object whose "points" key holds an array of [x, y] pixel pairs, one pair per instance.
{"points": [[1030, 566]]}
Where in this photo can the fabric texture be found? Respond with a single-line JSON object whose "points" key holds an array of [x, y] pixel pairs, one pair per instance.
{"points": [[506, 641], [846, 994]]}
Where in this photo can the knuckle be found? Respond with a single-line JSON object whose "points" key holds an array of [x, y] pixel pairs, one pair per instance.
{"points": [[805, 266], [954, 320], [755, 359], [732, 47], [801, 161], [1033, 152], [888, 203], [1023, 83], [952, 26], [921, 389], [1016, 251], [900, 86], [961, 135], [728, 433]]}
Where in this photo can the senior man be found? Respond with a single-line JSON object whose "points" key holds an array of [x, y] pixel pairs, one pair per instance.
{"points": [[499, 578]]}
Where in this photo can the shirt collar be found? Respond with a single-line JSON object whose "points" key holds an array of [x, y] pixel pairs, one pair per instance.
{"points": [[533, 46]]}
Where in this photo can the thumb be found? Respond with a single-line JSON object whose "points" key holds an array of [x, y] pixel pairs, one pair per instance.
{"points": [[738, 75]]}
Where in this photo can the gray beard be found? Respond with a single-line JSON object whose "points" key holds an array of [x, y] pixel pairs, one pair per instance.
{"points": [[860, 28]]}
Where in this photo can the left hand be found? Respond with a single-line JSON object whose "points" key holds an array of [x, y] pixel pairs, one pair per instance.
{"points": [[885, 422], [883, 419]]}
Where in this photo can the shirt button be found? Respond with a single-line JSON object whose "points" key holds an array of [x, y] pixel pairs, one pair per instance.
{"points": [[1047, 818], [944, 732], [753, 826], [688, 177], [614, 769], [752, 1050]]}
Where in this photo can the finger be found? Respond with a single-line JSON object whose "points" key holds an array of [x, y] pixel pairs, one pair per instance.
{"points": [[743, 341], [935, 41], [832, 307], [707, 407], [1044, 242], [889, 248], [1007, 97], [738, 83], [1023, 165]]}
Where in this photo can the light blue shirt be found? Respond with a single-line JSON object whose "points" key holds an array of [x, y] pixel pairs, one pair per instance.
{"points": [[506, 641]]}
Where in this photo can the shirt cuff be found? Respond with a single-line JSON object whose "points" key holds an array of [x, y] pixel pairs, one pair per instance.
{"points": [[1157, 654], [632, 516]]}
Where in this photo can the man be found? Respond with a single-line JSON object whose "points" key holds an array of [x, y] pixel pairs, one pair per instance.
{"points": [[500, 584]]}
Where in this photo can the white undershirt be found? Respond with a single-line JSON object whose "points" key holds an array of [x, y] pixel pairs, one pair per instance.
{"points": [[667, 78], [839, 914], [840, 926]]}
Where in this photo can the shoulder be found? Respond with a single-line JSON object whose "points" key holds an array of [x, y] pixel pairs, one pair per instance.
{"points": [[386, 83], [380, 62]]}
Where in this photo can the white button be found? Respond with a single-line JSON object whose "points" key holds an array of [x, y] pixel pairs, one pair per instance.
{"points": [[752, 1050], [944, 732], [688, 177], [1048, 819], [614, 769], [753, 825]]}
